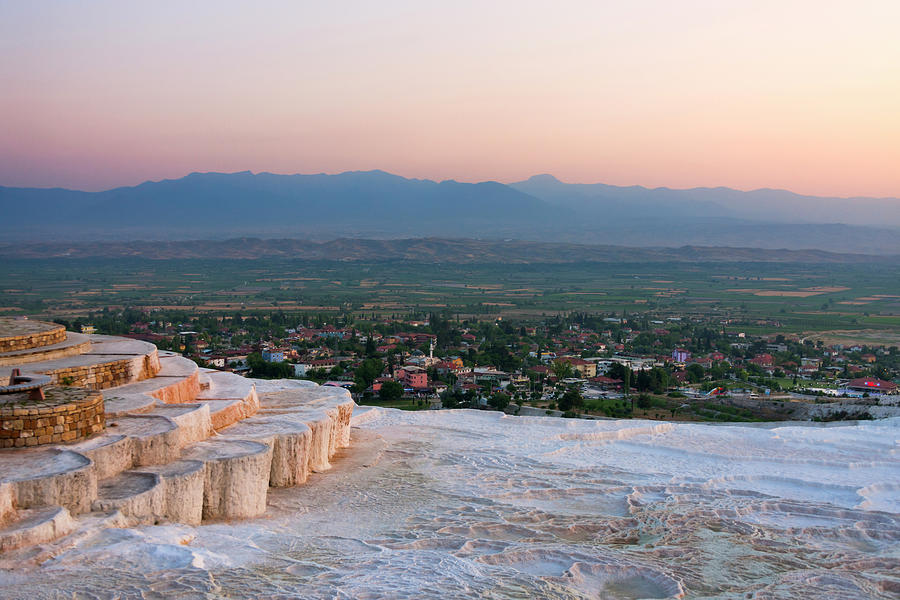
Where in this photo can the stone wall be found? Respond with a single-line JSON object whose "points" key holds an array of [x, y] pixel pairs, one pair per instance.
{"points": [[24, 341], [101, 376], [65, 415], [39, 354]]}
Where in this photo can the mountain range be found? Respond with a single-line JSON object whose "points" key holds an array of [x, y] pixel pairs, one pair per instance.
{"points": [[376, 204], [721, 202]]}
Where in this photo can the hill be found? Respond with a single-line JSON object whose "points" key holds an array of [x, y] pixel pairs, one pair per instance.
{"points": [[423, 250]]}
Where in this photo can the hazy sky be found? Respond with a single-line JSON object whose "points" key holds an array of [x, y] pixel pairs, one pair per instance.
{"points": [[803, 95]]}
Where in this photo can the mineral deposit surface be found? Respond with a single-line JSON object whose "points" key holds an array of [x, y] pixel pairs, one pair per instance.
{"points": [[467, 504]]}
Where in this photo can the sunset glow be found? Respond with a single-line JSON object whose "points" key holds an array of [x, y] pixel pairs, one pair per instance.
{"points": [[801, 95]]}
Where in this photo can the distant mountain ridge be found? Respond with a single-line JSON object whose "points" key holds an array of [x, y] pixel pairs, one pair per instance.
{"points": [[421, 250], [376, 204], [760, 205], [229, 198]]}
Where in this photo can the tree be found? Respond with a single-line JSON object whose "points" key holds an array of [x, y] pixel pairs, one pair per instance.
{"points": [[619, 371], [268, 370], [498, 401], [452, 398], [695, 372], [562, 369], [457, 399], [644, 401], [643, 381], [367, 371], [659, 380], [337, 370], [317, 374], [390, 391], [571, 400]]}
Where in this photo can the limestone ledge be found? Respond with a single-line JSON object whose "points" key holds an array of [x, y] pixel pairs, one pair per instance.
{"points": [[171, 465], [182, 391]]}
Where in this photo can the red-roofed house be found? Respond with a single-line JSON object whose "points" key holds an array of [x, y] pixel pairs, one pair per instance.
{"points": [[763, 360], [869, 384]]}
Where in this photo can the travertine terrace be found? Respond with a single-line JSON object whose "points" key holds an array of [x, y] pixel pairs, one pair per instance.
{"points": [[181, 444]]}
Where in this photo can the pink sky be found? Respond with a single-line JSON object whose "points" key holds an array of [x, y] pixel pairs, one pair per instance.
{"points": [[802, 95]]}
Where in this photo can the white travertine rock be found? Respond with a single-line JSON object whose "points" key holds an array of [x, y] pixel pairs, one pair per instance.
{"points": [[193, 420], [139, 496], [117, 404], [36, 526], [228, 386], [236, 477], [231, 398], [156, 460], [266, 386], [341, 415], [290, 442], [345, 415], [326, 410], [304, 425], [320, 446], [462, 503], [156, 440], [180, 380], [50, 477], [183, 482], [111, 453], [224, 413], [290, 457]]}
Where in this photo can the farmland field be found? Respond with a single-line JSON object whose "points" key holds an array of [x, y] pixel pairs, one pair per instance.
{"points": [[840, 301]]}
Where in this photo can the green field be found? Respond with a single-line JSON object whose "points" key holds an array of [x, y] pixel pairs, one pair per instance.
{"points": [[845, 301]]}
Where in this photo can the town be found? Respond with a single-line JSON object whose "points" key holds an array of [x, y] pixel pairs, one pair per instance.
{"points": [[693, 368]]}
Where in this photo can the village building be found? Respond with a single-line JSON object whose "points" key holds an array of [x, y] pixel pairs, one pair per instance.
{"points": [[872, 385]]}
